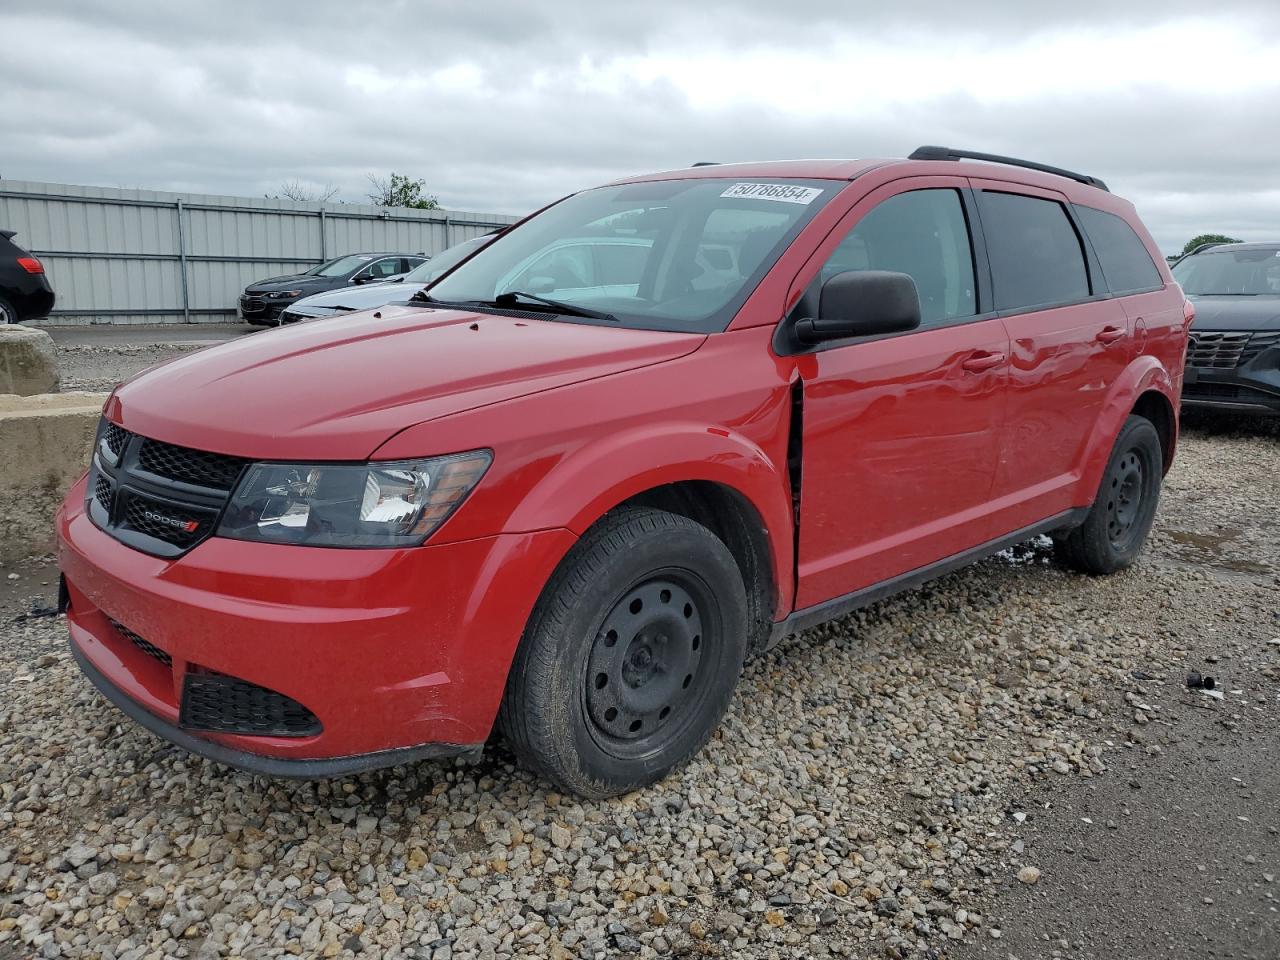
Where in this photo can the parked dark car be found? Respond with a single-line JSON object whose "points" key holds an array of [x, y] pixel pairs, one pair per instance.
{"points": [[24, 289], [263, 300], [374, 295], [1233, 357]]}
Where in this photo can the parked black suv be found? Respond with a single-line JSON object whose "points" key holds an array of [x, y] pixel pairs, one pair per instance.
{"points": [[1233, 357], [24, 289], [263, 300]]}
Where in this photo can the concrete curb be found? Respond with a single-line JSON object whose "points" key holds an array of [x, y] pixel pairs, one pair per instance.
{"points": [[44, 447]]}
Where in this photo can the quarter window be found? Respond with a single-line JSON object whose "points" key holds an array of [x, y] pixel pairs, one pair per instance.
{"points": [[922, 233], [1036, 257], [1125, 261]]}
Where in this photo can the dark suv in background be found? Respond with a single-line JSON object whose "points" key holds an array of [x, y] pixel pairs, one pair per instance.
{"points": [[263, 300], [24, 289], [1233, 357]]}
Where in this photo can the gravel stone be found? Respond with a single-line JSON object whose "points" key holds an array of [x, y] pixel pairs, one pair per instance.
{"points": [[1029, 875]]}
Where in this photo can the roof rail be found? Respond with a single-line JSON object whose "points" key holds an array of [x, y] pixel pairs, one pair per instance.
{"points": [[950, 153]]}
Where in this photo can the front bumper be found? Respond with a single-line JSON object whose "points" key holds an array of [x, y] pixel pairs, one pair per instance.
{"points": [[262, 310], [399, 654], [1253, 387]]}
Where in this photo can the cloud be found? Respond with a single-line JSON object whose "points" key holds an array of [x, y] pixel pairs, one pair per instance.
{"points": [[503, 106]]}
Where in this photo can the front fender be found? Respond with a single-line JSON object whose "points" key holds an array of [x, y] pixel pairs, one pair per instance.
{"points": [[1143, 374], [595, 478]]}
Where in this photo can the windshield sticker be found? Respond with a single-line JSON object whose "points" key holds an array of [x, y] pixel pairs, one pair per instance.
{"points": [[784, 192]]}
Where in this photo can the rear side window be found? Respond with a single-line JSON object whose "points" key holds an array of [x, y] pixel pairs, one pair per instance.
{"points": [[1125, 261], [924, 234], [1035, 253]]}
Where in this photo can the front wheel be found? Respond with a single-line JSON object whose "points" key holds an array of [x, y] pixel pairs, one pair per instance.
{"points": [[1117, 524], [631, 655]]}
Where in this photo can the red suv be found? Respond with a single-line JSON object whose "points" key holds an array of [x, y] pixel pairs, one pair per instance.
{"points": [[633, 442]]}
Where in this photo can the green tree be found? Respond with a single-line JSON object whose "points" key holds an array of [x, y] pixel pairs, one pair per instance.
{"points": [[1207, 238], [399, 190]]}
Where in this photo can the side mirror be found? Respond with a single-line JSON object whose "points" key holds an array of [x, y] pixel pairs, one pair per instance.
{"points": [[360, 278], [862, 303]]}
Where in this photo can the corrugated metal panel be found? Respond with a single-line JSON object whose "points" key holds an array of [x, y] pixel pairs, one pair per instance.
{"points": [[117, 255]]}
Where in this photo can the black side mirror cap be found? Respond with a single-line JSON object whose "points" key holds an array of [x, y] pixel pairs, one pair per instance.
{"points": [[862, 303]]}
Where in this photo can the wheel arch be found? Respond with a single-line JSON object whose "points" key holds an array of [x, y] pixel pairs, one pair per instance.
{"points": [[1153, 405], [732, 517], [1144, 388], [713, 476]]}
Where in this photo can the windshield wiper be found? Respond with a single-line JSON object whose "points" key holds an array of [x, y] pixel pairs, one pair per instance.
{"points": [[509, 299]]}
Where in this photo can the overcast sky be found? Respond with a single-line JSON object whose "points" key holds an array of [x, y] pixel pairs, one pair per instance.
{"points": [[503, 105]]}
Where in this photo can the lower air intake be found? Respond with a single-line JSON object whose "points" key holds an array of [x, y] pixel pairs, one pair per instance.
{"points": [[222, 704]]}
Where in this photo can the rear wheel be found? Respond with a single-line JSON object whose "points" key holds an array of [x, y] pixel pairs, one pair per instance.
{"points": [[1117, 525], [7, 313], [631, 655]]}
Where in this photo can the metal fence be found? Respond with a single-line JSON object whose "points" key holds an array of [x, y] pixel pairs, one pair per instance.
{"points": [[141, 256]]}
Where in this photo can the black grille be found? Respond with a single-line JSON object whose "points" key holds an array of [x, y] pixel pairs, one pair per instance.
{"points": [[1257, 343], [1216, 350], [1226, 391], [115, 437], [213, 470], [150, 649], [155, 496], [102, 493], [222, 704], [1216, 391], [162, 521]]}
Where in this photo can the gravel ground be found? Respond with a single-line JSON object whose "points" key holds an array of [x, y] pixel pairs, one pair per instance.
{"points": [[860, 800], [99, 357]]}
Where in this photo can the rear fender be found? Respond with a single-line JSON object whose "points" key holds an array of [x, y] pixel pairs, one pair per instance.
{"points": [[1143, 374]]}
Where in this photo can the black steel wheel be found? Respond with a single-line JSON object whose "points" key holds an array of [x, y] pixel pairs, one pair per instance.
{"points": [[1116, 527], [1124, 496], [631, 656], [644, 671]]}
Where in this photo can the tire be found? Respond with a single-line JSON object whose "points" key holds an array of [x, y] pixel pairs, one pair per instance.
{"points": [[7, 313], [631, 655], [1116, 527]]}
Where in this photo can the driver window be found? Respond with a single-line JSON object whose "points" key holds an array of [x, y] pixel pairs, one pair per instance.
{"points": [[388, 267], [924, 234]]}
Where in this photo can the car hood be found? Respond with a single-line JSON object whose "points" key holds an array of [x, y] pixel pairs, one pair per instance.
{"points": [[338, 389], [1236, 313], [298, 280], [358, 298]]}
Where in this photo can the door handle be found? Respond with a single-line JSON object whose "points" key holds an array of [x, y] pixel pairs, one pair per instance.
{"points": [[1110, 334], [978, 362]]}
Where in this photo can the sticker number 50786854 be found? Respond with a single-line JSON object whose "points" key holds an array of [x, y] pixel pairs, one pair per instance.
{"points": [[785, 192]]}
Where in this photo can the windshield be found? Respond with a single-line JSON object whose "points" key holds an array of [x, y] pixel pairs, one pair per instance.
{"points": [[1230, 272], [340, 267], [661, 255], [445, 260]]}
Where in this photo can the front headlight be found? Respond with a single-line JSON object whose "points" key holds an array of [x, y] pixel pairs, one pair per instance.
{"points": [[394, 504], [284, 294]]}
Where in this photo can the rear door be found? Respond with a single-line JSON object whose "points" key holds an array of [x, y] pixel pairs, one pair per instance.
{"points": [[1069, 342], [900, 433]]}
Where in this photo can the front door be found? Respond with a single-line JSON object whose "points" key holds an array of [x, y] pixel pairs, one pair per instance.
{"points": [[901, 433]]}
